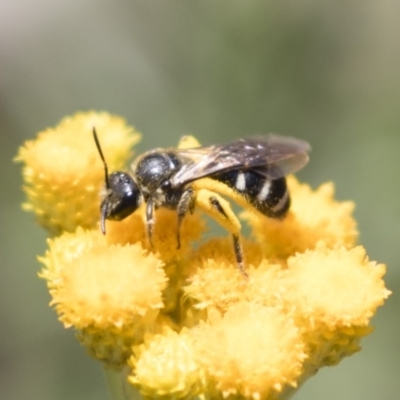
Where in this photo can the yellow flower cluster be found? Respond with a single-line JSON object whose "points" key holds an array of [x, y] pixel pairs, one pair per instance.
{"points": [[63, 172], [185, 321], [94, 288]]}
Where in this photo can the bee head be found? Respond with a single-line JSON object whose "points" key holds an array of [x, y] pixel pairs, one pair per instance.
{"points": [[121, 196]]}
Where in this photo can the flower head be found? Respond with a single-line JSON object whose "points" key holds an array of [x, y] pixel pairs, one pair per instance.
{"points": [[333, 294], [314, 215], [253, 352], [63, 171], [164, 366], [111, 294]]}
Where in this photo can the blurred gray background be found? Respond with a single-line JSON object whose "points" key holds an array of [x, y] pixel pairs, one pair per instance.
{"points": [[327, 72]]}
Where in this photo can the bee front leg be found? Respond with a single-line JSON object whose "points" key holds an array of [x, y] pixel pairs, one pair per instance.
{"points": [[150, 221], [186, 202]]}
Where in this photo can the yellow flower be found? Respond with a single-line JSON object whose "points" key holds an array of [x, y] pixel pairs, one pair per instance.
{"points": [[333, 294], [217, 285], [252, 352], [186, 321], [111, 294], [314, 215], [133, 230], [63, 172], [164, 366]]}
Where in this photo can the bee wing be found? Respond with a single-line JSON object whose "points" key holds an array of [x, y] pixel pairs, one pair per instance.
{"points": [[272, 156]]}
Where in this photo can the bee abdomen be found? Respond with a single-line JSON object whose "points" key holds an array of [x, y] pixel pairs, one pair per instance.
{"points": [[268, 196]]}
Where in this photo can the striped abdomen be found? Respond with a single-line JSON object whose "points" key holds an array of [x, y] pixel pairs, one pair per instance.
{"points": [[270, 197]]}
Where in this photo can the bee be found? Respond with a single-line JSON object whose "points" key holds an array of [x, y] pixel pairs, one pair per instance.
{"points": [[253, 168]]}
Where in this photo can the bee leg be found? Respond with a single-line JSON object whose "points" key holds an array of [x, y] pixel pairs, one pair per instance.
{"points": [[236, 241], [186, 202], [219, 209], [239, 254], [150, 221]]}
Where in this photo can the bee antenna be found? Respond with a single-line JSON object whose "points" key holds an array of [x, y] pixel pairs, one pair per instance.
{"points": [[96, 139]]}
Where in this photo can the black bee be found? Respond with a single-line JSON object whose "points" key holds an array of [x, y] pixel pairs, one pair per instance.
{"points": [[255, 168]]}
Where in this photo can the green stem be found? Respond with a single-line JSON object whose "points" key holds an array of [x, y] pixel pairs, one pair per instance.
{"points": [[118, 387]]}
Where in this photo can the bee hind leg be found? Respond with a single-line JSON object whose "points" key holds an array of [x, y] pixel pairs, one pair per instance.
{"points": [[239, 254], [220, 210]]}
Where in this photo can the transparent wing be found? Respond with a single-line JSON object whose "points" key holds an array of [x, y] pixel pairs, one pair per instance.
{"points": [[271, 155]]}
